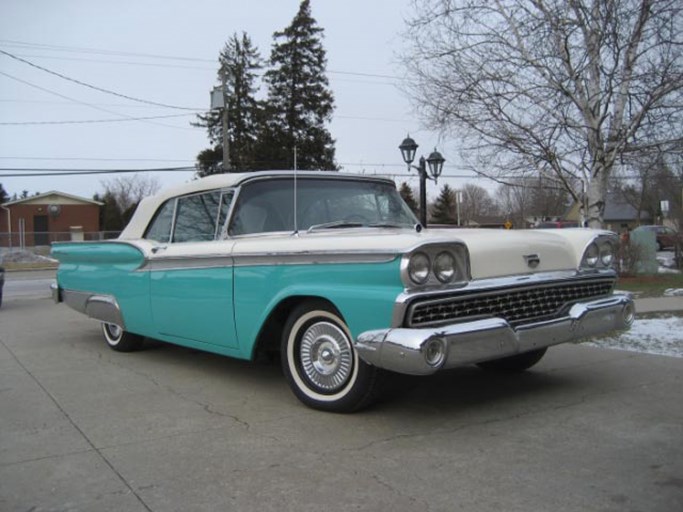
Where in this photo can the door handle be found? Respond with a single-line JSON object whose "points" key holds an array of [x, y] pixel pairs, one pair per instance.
{"points": [[158, 248]]}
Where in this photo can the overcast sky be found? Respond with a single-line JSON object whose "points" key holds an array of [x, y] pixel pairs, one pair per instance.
{"points": [[165, 51]]}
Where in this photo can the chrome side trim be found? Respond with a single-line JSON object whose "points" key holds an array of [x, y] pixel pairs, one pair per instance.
{"points": [[159, 263], [404, 350], [185, 263], [313, 258], [100, 307]]}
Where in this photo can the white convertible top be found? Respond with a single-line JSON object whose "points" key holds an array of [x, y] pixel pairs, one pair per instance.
{"points": [[148, 206]]}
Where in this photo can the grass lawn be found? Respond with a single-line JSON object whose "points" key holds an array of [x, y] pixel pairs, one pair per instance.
{"points": [[650, 286]]}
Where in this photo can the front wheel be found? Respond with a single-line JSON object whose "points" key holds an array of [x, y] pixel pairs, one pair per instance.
{"points": [[120, 340], [320, 363], [514, 364]]}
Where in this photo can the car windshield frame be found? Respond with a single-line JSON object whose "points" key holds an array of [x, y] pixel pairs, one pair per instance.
{"points": [[267, 205]]}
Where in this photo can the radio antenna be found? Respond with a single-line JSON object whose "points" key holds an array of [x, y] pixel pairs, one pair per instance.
{"points": [[296, 224]]}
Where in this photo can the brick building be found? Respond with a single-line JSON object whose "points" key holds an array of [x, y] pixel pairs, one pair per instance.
{"points": [[45, 218]]}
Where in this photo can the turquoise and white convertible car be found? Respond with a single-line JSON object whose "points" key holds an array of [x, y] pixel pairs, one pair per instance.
{"points": [[334, 272]]}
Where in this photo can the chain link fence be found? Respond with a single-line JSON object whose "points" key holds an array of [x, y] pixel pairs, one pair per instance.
{"points": [[34, 246]]}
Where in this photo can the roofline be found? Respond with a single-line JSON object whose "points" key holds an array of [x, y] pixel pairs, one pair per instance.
{"points": [[149, 204], [235, 179], [53, 192]]}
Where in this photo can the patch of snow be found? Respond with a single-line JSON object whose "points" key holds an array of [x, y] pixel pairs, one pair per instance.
{"points": [[660, 336], [664, 270], [667, 263]]}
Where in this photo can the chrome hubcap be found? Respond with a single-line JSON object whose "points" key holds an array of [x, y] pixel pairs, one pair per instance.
{"points": [[114, 331], [326, 355]]}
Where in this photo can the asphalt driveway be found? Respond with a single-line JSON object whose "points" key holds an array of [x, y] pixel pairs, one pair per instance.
{"points": [[85, 428]]}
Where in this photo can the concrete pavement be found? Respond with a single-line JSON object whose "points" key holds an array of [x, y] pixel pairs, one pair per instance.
{"points": [[659, 304], [165, 429]]}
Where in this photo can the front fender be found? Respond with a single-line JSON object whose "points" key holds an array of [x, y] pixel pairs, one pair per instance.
{"points": [[364, 294]]}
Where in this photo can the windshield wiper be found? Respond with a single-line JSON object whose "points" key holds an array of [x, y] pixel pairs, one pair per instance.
{"points": [[386, 225], [336, 224]]}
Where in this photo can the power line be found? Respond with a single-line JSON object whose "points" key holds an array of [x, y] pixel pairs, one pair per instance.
{"points": [[128, 118], [85, 103], [180, 66], [94, 159], [75, 172], [94, 51], [94, 87], [121, 62], [91, 121], [49, 102], [81, 49]]}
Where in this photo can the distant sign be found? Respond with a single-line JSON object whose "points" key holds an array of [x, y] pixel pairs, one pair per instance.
{"points": [[664, 206], [508, 224]]}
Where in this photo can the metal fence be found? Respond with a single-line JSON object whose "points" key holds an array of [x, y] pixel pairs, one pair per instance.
{"points": [[40, 242]]}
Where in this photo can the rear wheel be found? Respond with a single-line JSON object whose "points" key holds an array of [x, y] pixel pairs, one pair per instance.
{"points": [[120, 340], [513, 364], [320, 363]]}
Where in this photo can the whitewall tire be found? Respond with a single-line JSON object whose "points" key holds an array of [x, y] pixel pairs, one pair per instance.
{"points": [[320, 363], [120, 340]]}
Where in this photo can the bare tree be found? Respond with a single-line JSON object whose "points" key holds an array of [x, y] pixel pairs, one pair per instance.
{"points": [[130, 189], [563, 88], [523, 198], [650, 180], [121, 196], [476, 203], [515, 201]]}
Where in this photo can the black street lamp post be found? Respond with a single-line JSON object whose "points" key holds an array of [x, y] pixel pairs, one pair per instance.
{"points": [[435, 163]]}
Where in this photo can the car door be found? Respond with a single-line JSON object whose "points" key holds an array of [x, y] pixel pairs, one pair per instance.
{"points": [[191, 274]]}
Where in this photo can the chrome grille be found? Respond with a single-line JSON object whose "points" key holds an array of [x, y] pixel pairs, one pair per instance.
{"points": [[517, 305]]}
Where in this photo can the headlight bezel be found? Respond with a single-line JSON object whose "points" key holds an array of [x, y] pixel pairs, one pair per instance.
{"points": [[600, 253], [439, 274]]}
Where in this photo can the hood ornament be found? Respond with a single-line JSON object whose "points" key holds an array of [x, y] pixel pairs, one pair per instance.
{"points": [[532, 260]]}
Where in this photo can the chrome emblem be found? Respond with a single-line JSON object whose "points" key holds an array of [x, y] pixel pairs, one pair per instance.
{"points": [[532, 260]]}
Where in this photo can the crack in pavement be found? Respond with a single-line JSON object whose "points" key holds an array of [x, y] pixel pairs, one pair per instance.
{"points": [[78, 429]]}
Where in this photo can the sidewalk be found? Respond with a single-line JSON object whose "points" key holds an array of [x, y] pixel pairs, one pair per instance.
{"points": [[659, 304]]}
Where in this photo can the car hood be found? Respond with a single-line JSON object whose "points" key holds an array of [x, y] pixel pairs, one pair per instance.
{"points": [[492, 252]]}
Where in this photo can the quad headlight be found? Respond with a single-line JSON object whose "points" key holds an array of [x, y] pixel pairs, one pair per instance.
{"points": [[592, 255], [445, 267], [607, 254], [600, 253], [436, 265], [419, 267]]}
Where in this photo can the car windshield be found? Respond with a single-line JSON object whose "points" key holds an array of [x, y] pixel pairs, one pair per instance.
{"points": [[268, 205]]}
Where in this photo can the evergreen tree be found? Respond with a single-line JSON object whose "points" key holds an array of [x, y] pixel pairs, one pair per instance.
{"points": [[444, 208], [4, 196], [239, 61], [111, 217], [407, 195], [300, 103]]}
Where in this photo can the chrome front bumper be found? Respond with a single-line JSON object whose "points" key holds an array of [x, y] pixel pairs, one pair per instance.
{"points": [[425, 351]]}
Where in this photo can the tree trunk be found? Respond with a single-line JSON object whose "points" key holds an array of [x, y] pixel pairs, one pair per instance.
{"points": [[595, 201]]}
